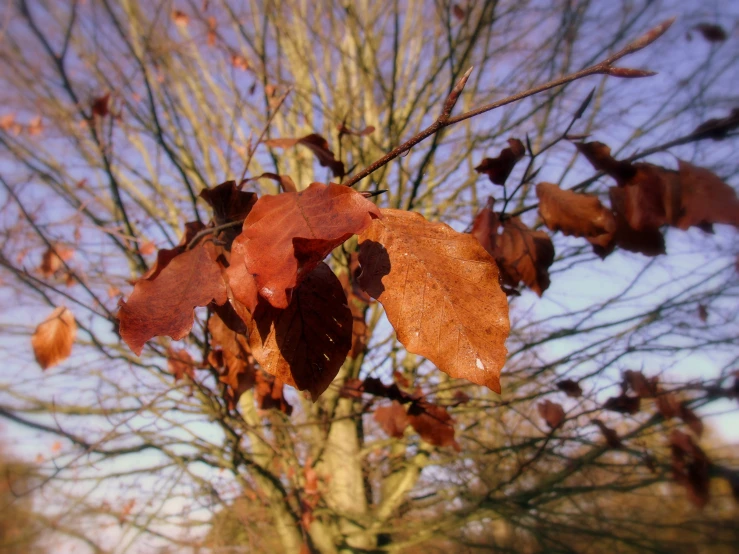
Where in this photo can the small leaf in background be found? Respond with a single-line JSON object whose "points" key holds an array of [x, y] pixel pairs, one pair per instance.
{"points": [[53, 259], [642, 387], [711, 32], [392, 418], [551, 412], [498, 169], [180, 18], [610, 435], [180, 364], [440, 292], [433, 423], [718, 128], [690, 467], [164, 305], [53, 339], [570, 388], [580, 215], [269, 393], [101, 105], [702, 313], [623, 404], [316, 144], [344, 130]]}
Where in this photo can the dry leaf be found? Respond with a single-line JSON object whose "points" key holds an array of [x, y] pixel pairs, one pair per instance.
{"points": [[53, 339], [552, 413], [318, 145], [581, 215], [392, 418], [570, 388], [440, 292], [164, 304], [498, 169]]}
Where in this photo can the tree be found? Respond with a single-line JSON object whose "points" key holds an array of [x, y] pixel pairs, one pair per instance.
{"points": [[141, 145]]}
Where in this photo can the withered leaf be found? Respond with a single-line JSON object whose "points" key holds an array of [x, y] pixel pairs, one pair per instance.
{"points": [[180, 364], [305, 344], [610, 435], [53, 259], [521, 253], [690, 467], [285, 181], [53, 339], [318, 145], [716, 128], [711, 32], [287, 235], [705, 198], [344, 130], [238, 362], [691, 419], [581, 215], [623, 404], [649, 242], [668, 405], [642, 387], [392, 418], [433, 423], [599, 155], [498, 169], [551, 412], [440, 292], [269, 393], [570, 388], [164, 305], [229, 203], [101, 105]]}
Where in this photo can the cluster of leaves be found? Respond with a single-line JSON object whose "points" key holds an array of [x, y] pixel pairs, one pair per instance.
{"points": [[646, 198], [691, 467], [278, 306]]}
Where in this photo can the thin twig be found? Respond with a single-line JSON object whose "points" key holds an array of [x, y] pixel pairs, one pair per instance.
{"points": [[253, 148], [603, 68]]}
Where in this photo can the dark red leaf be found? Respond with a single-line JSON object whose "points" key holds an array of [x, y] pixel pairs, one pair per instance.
{"points": [[552, 413], [498, 169], [570, 388], [623, 404]]}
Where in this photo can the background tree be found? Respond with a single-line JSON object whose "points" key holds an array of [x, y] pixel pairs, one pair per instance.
{"points": [[119, 114]]}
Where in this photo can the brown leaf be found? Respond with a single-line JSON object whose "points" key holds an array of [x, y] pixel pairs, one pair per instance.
{"points": [[392, 418], [458, 12], [702, 313], [433, 423], [239, 62], [318, 145], [552, 413], [101, 105], [270, 393], [344, 130], [238, 361], [581, 215], [180, 18], [648, 242], [230, 204], [642, 387], [352, 388], [524, 255], [718, 128], [305, 344], [498, 169], [570, 388], [180, 364], [668, 405], [610, 435], [287, 235], [599, 155], [53, 259], [705, 198], [163, 305], [711, 32], [440, 292], [623, 404], [690, 467], [287, 184], [53, 339], [691, 419]]}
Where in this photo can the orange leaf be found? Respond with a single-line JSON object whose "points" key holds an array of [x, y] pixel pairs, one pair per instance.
{"points": [[53, 259], [53, 339], [440, 292], [305, 344], [581, 215], [705, 198], [498, 169], [166, 255], [270, 393], [163, 305], [552, 413], [523, 255], [433, 423], [393, 419], [287, 235], [238, 361], [180, 364]]}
